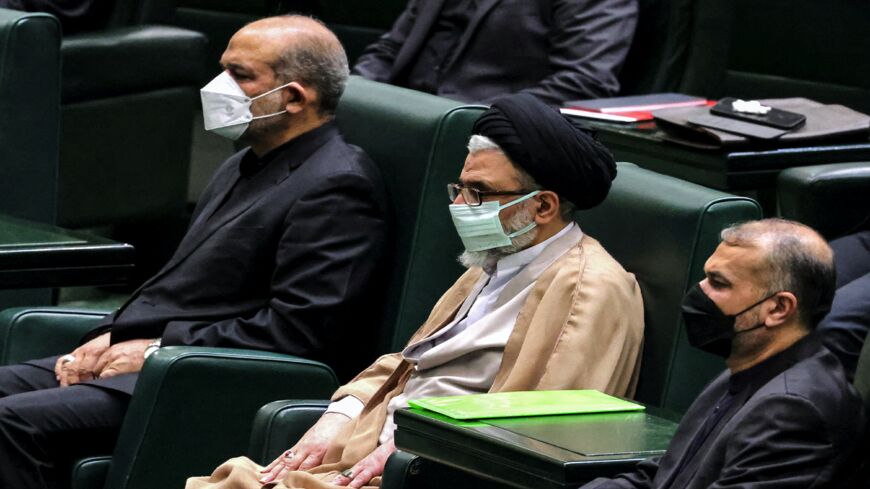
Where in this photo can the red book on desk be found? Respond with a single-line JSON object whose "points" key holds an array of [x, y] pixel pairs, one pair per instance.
{"points": [[636, 107]]}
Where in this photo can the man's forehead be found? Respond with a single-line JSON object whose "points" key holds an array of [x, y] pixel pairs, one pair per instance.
{"points": [[255, 47], [487, 166], [735, 262]]}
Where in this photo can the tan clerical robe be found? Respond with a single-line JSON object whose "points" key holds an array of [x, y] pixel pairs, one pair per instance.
{"points": [[580, 328]]}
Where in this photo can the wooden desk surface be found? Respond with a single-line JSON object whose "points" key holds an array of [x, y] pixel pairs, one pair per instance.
{"points": [[39, 255], [539, 452]]}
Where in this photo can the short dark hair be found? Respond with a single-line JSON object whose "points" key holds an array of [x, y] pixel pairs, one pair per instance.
{"points": [[318, 61], [796, 263]]}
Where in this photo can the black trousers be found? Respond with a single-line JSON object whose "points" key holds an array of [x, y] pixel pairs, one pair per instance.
{"points": [[44, 427]]}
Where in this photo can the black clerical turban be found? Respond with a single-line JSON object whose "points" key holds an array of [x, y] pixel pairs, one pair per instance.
{"points": [[559, 156]]}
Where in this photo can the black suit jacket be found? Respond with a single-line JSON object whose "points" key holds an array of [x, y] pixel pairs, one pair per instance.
{"points": [[797, 430], [557, 50], [289, 265], [844, 329]]}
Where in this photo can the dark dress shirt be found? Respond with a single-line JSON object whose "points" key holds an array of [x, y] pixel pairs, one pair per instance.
{"points": [[281, 255], [791, 421], [425, 73]]}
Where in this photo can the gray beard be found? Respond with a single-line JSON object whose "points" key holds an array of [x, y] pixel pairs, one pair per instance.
{"points": [[487, 259]]}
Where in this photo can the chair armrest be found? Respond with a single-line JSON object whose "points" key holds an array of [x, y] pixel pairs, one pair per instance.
{"points": [[279, 424], [833, 199], [30, 333], [401, 466], [90, 473], [193, 408], [405, 471]]}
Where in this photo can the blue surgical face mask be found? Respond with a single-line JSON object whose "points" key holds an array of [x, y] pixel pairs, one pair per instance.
{"points": [[480, 228]]}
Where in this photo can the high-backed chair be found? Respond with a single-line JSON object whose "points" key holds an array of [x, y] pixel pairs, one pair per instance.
{"points": [[418, 142], [660, 228], [128, 100], [29, 127], [775, 48], [663, 229], [834, 199]]}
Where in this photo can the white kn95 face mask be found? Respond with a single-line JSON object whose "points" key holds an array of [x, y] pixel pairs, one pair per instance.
{"points": [[226, 109]]}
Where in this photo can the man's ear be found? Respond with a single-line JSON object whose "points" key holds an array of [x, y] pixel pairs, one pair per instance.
{"points": [[548, 207], [298, 98], [783, 309]]}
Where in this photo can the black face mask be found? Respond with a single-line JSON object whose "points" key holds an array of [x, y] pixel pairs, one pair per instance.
{"points": [[707, 327]]}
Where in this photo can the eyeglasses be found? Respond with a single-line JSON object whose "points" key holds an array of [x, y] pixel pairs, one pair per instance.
{"points": [[474, 197]]}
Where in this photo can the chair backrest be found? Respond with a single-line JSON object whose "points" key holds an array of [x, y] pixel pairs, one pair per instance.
{"points": [[29, 127], [663, 229], [418, 141], [138, 12], [30, 104], [832, 199], [779, 48]]}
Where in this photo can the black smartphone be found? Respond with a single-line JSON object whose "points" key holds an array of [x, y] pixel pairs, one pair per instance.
{"points": [[781, 119]]}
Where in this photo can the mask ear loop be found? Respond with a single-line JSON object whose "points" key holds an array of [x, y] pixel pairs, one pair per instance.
{"points": [[753, 305], [266, 116], [517, 201], [734, 316]]}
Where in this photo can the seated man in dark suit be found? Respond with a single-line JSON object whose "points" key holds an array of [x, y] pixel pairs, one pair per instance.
{"points": [[280, 254], [844, 329], [477, 50], [782, 415], [74, 15]]}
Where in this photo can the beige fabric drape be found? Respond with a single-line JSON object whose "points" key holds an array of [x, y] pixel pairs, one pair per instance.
{"points": [[580, 328]]}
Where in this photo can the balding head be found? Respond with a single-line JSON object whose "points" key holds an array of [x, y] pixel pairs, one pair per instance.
{"points": [[794, 258], [301, 49]]}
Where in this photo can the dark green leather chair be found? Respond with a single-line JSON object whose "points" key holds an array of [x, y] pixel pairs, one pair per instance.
{"points": [[418, 142], [660, 228], [29, 100], [834, 199], [29, 127], [775, 48], [663, 229], [128, 97]]}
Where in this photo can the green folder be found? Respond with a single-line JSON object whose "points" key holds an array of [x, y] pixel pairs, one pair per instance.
{"points": [[525, 403]]}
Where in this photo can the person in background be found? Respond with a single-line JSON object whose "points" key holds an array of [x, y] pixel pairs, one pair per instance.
{"points": [[479, 50]]}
